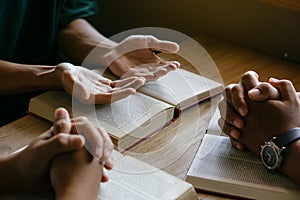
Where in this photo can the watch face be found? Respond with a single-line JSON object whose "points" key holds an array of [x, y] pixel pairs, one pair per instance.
{"points": [[270, 157]]}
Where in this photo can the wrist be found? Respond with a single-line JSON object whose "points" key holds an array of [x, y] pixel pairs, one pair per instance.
{"points": [[275, 151], [45, 77], [290, 165]]}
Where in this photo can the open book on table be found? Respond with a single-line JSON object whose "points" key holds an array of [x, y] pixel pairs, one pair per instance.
{"points": [[132, 179], [137, 117], [220, 168]]}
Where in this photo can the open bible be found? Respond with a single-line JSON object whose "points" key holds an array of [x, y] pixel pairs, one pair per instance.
{"points": [[137, 117], [220, 168], [134, 179]]}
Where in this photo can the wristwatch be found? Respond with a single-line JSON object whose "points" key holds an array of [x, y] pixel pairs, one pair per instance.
{"points": [[272, 152]]}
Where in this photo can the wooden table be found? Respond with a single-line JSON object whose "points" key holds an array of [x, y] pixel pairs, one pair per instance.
{"points": [[174, 147]]}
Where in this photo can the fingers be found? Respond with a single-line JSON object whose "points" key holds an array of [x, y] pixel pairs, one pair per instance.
{"points": [[63, 142], [98, 143], [231, 117], [162, 45], [151, 75], [233, 133], [132, 82], [109, 97], [108, 147], [235, 96], [154, 72], [62, 122], [172, 65], [250, 80], [285, 88], [104, 178], [263, 92]]}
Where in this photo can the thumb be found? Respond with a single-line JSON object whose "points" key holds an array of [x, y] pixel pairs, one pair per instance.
{"points": [[162, 45], [263, 92], [62, 122], [285, 88]]}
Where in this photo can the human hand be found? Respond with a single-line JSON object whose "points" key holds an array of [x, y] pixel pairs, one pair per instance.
{"points": [[135, 56], [270, 118], [30, 167], [98, 142], [74, 173], [92, 88], [234, 108]]}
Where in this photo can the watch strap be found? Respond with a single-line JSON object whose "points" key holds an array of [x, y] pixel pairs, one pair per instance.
{"points": [[287, 137]]}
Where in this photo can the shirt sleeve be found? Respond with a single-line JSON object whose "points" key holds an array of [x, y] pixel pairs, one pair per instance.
{"points": [[71, 10]]}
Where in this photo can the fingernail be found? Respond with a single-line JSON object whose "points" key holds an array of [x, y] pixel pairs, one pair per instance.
{"points": [[237, 123], [143, 79], [60, 114], [107, 153], [234, 134], [98, 153], [242, 111], [238, 146], [254, 92], [273, 79]]}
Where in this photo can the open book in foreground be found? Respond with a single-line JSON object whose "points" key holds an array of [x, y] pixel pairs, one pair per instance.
{"points": [[218, 167], [137, 117], [132, 179]]}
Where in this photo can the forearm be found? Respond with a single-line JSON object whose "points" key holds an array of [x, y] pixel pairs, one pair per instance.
{"points": [[292, 162], [79, 38], [8, 181], [18, 78]]}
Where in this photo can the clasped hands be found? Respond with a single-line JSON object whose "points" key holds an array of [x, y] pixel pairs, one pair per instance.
{"points": [[57, 159], [253, 112], [133, 60]]}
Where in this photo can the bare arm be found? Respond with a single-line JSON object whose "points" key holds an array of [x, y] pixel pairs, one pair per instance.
{"points": [[78, 38], [17, 78]]}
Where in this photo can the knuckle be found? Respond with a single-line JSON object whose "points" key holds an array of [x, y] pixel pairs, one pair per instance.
{"points": [[61, 140], [286, 83], [61, 125], [236, 88], [246, 75], [264, 85], [83, 119]]}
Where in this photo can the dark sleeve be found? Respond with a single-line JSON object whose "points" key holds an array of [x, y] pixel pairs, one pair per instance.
{"points": [[71, 10]]}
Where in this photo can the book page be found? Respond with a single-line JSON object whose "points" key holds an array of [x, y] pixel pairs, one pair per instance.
{"points": [[134, 179], [218, 161], [181, 87], [118, 118]]}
